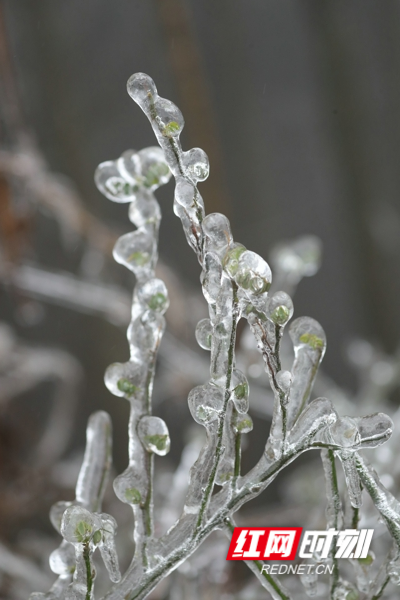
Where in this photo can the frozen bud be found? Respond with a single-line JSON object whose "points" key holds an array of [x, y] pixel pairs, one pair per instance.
{"points": [[154, 435], [318, 415], [205, 403], [142, 90], [243, 424], [112, 184], [135, 250], [284, 380], [62, 560], [218, 232], [279, 308], [240, 391], [231, 258], [154, 169], [131, 486], [56, 514], [344, 433], [144, 210], [125, 379], [105, 540], [79, 525], [196, 164], [211, 277], [374, 429], [154, 295], [169, 118], [204, 332], [306, 333], [253, 274], [185, 193]]}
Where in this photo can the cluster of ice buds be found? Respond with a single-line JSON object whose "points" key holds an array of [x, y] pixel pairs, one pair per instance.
{"points": [[133, 178]]}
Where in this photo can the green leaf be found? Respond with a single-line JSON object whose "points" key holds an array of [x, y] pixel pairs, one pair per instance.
{"points": [[140, 258], [157, 301], [312, 340], [97, 537], [171, 128], [133, 496], [158, 440], [280, 315], [128, 388]]}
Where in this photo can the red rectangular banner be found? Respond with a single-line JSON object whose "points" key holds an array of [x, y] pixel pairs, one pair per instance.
{"points": [[264, 543]]}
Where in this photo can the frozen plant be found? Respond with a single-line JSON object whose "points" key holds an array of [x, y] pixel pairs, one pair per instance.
{"points": [[235, 283]]}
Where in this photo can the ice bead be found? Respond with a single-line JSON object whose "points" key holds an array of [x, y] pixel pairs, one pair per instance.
{"points": [[154, 170], [307, 334], [154, 435], [56, 514], [218, 234], [154, 295], [231, 258], [169, 118], [243, 424], [135, 250], [205, 403], [128, 166], [211, 277], [93, 475], [62, 560], [144, 334], [204, 332], [374, 429], [187, 195], [284, 380], [196, 164], [142, 90], [112, 184], [240, 391], [144, 210], [279, 308], [79, 525], [344, 433], [131, 486], [107, 546], [253, 274], [125, 379], [320, 413]]}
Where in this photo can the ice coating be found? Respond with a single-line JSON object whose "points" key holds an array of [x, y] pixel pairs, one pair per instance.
{"points": [[236, 283]]}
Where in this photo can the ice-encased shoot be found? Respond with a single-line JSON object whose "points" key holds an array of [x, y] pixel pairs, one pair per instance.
{"points": [[235, 283]]}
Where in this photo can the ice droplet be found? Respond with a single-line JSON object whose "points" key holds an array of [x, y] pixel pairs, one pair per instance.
{"points": [[112, 184], [62, 560], [154, 295], [218, 234], [169, 118], [253, 274], [318, 414], [243, 424], [196, 164], [154, 169], [125, 379], [135, 250], [131, 486], [279, 308], [284, 380], [205, 403], [231, 258], [144, 210], [154, 435], [78, 525], [211, 277], [240, 391], [204, 334], [107, 546], [142, 90], [307, 334]]}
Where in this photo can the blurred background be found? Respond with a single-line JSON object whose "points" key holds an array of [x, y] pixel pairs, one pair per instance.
{"points": [[296, 104]]}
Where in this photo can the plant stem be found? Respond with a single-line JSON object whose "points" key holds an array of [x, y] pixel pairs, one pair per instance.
{"points": [[89, 578]]}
